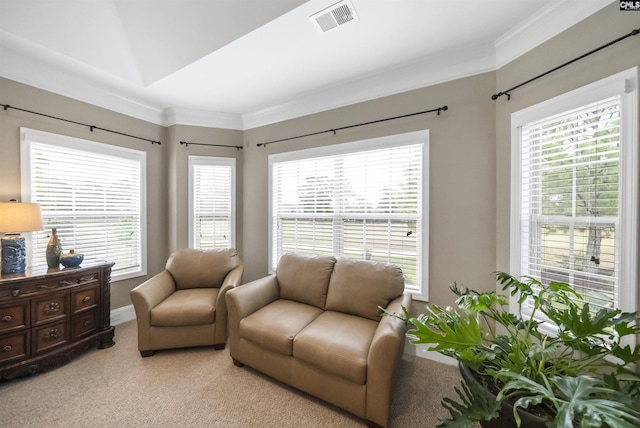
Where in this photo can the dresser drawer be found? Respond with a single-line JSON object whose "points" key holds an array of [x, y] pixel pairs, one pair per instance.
{"points": [[50, 336], [14, 347], [34, 286], [79, 280], [84, 299], [50, 308], [14, 317], [84, 324], [48, 316]]}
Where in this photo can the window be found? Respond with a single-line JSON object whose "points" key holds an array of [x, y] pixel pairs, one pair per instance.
{"points": [[94, 194], [211, 202], [363, 200], [575, 191]]}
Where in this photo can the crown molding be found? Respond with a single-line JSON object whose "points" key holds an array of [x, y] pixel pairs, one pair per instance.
{"points": [[549, 22], [557, 17], [427, 72], [27, 63], [183, 116]]}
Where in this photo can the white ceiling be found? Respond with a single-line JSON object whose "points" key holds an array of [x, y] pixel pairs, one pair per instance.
{"points": [[245, 63]]}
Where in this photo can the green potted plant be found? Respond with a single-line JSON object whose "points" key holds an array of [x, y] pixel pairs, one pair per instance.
{"points": [[582, 374]]}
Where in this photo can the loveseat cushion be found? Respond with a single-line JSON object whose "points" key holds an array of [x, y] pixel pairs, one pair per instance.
{"points": [[274, 326], [192, 268], [194, 306], [358, 287], [305, 278], [337, 343]]}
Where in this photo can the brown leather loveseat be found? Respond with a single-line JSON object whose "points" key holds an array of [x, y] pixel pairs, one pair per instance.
{"points": [[315, 325]]}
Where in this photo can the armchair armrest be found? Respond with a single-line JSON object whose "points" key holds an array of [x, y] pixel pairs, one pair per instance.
{"points": [[231, 281], [147, 295], [385, 353]]}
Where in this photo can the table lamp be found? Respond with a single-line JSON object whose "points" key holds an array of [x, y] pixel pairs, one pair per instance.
{"points": [[16, 217]]}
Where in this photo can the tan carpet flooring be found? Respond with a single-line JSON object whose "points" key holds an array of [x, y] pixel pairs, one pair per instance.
{"points": [[198, 387]]}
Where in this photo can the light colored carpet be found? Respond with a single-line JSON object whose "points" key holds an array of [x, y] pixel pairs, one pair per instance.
{"points": [[198, 387]]}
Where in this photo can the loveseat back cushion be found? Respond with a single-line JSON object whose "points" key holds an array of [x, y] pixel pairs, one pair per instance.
{"points": [[358, 287], [193, 268], [305, 278]]}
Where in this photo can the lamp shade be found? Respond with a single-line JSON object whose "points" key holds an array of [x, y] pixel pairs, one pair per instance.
{"points": [[18, 217]]}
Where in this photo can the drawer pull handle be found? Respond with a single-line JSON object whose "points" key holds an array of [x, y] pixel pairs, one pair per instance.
{"points": [[87, 323], [7, 348], [7, 318], [80, 280], [15, 293], [86, 299], [52, 334], [51, 308]]}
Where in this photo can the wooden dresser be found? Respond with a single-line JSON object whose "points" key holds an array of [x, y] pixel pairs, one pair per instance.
{"points": [[49, 316]]}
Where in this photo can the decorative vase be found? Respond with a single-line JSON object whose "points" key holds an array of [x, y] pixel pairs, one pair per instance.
{"points": [[54, 250], [71, 259]]}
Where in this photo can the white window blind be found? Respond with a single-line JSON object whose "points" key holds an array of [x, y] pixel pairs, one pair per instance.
{"points": [[92, 194], [212, 202], [575, 191], [353, 201], [570, 188]]}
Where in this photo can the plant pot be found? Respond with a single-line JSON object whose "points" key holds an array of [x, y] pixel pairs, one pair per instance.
{"points": [[505, 416]]}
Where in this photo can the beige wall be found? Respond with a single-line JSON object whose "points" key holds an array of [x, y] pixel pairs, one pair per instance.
{"points": [[178, 173], [30, 98], [461, 174], [167, 168], [597, 30], [469, 153]]}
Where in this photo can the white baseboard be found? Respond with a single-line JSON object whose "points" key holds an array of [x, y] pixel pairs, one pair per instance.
{"points": [[123, 314], [422, 352]]}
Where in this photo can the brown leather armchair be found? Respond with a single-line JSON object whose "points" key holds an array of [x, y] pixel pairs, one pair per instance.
{"points": [[184, 305]]}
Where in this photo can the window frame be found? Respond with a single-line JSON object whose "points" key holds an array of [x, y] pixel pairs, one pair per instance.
{"points": [[195, 160], [398, 140], [625, 85], [29, 136]]}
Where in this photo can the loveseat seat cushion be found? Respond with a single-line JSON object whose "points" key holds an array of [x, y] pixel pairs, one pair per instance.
{"points": [[305, 278], [358, 287], [192, 268], [193, 306], [337, 343], [274, 326]]}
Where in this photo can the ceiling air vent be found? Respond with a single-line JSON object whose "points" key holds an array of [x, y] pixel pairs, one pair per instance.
{"points": [[333, 16]]}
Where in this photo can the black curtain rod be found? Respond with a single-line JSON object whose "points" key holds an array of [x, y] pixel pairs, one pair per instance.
{"points": [[91, 127], [187, 143], [438, 110], [499, 94]]}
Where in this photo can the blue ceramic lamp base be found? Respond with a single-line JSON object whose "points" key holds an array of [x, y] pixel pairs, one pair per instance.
{"points": [[13, 254]]}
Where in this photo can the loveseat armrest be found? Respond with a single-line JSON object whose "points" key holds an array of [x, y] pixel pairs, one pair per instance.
{"points": [[250, 297], [385, 353], [244, 300]]}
